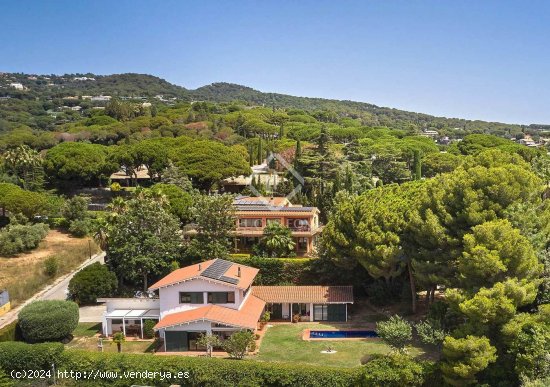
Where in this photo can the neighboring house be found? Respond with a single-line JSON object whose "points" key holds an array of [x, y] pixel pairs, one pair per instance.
{"points": [[430, 133], [217, 297], [101, 98], [5, 304], [239, 183], [255, 213], [17, 85], [125, 180]]}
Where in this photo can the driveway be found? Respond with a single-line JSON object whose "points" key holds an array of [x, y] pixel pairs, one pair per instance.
{"points": [[92, 313], [59, 290]]}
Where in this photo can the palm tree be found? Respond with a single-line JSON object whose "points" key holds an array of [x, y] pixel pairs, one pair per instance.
{"points": [[118, 339], [277, 240]]}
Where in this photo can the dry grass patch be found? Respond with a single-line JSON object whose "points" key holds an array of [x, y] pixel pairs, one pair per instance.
{"points": [[24, 274]]}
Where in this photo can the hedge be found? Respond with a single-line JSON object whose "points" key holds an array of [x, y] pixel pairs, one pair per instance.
{"points": [[50, 320], [11, 332], [202, 371], [278, 271], [19, 356]]}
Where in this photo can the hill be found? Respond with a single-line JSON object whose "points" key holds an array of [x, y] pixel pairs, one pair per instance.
{"points": [[132, 85]]}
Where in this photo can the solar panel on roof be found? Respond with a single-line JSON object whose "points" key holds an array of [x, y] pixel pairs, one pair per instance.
{"points": [[217, 270], [233, 281]]}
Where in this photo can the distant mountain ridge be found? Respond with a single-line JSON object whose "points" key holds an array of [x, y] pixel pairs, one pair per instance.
{"points": [[134, 85]]}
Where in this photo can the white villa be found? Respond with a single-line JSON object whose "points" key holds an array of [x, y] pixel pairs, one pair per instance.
{"points": [[217, 297]]}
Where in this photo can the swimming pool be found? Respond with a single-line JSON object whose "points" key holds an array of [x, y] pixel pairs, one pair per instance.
{"points": [[351, 334]]}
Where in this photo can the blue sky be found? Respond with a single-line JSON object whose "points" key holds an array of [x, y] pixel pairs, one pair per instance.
{"points": [[485, 60]]}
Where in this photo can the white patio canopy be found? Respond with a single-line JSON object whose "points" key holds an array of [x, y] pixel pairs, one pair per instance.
{"points": [[133, 314]]}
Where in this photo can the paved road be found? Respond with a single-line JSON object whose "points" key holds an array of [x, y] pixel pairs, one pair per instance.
{"points": [[56, 291], [59, 290]]}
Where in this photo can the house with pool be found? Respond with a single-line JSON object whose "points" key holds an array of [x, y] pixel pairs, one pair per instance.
{"points": [[217, 297]]}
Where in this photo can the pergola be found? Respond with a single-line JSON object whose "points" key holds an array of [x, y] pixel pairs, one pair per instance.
{"points": [[133, 314]]}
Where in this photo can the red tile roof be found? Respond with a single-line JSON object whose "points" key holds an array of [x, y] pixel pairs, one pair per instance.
{"points": [[304, 294], [247, 275], [245, 317]]}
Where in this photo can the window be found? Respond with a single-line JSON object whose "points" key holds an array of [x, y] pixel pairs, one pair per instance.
{"points": [[116, 321], [221, 297], [257, 222], [320, 312], [300, 309], [302, 243], [191, 298], [271, 221]]}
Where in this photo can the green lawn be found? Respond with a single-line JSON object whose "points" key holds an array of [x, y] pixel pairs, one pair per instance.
{"points": [[87, 329], [284, 343]]}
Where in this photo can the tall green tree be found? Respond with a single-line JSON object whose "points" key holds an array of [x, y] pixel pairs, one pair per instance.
{"points": [[142, 240], [214, 216]]}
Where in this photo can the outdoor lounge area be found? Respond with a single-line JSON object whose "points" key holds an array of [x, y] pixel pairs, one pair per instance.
{"points": [[128, 315]]}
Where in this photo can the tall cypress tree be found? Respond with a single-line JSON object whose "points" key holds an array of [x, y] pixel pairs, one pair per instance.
{"points": [[298, 152], [260, 152], [251, 156], [417, 165]]}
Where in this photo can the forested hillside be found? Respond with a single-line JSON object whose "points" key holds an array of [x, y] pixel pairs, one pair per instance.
{"points": [[46, 88]]}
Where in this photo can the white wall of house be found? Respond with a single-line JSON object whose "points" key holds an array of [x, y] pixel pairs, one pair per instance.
{"points": [[170, 296]]}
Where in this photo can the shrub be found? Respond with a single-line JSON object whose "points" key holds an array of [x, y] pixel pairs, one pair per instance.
{"points": [[18, 238], [50, 320], [395, 331], [239, 343], [148, 330], [61, 223], [80, 228], [94, 281], [18, 356], [395, 370], [5, 380], [51, 266], [76, 208], [430, 332]]}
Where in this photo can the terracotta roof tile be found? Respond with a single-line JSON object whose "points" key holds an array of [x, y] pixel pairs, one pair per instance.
{"points": [[245, 317], [247, 275], [304, 294]]}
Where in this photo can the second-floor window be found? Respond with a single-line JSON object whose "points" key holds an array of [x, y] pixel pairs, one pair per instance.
{"points": [[191, 298], [250, 222], [275, 220], [221, 297]]}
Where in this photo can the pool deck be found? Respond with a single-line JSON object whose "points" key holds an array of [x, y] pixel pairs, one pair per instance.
{"points": [[306, 333]]}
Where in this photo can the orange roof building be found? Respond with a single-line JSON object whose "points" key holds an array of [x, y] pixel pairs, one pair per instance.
{"points": [[217, 297]]}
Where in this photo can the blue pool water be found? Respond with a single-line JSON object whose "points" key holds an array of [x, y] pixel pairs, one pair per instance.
{"points": [[341, 334]]}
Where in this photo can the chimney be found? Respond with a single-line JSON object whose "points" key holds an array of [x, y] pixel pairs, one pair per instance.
{"points": [[239, 271], [200, 266]]}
